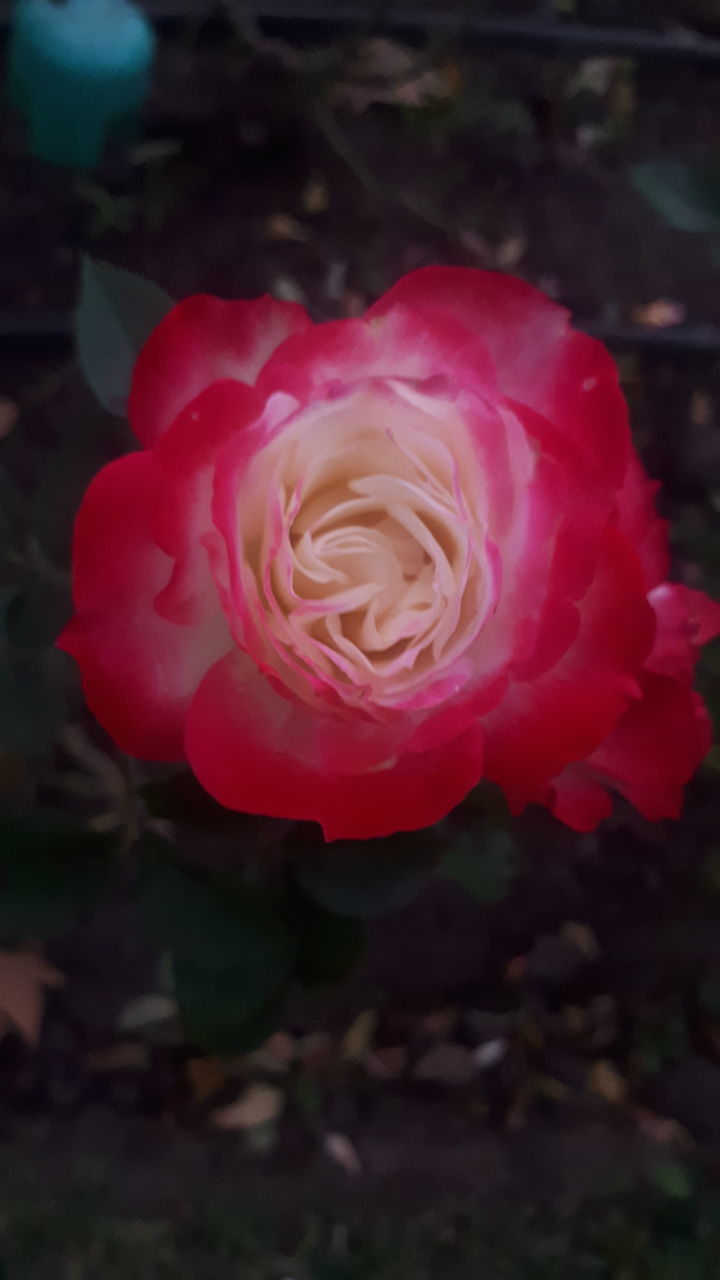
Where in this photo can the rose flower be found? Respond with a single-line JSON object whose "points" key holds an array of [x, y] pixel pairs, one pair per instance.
{"points": [[358, 566]]}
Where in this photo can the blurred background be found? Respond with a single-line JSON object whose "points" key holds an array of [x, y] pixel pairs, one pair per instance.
{"points": [[519, 1081]]}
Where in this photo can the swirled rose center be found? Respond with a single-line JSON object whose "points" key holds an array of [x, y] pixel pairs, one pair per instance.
{"points": [[365, 563]]}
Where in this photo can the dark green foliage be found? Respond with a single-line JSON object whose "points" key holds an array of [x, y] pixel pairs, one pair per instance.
{"points": [[483, 861], [231, 946], [686, 196], [329, 945], [115, 316], [368, 877], [237, 943]]}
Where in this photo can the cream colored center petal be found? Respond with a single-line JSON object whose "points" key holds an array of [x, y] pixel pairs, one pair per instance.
{"points": [[363, 548]]}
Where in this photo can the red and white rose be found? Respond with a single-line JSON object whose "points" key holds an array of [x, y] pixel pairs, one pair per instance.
{"points": [[358, 566]]}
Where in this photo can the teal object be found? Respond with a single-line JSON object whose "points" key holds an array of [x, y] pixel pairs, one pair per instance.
{"points": [[79, 72]]}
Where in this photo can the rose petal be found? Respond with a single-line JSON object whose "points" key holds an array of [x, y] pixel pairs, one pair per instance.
{"points": [[139, 670], [540, 362], [656, 747], [639, 521], [548, 722], [201, 341], [256, 751]]}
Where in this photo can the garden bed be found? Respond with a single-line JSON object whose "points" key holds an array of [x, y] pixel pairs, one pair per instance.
{"points": [[593, 965]]}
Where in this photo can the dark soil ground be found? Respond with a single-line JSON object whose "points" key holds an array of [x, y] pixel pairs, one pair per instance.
{"points": [[610, 1035]]}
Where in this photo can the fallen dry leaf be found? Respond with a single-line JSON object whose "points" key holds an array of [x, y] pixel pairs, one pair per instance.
{"points": [[24, 978], [285, 289], [477, 246], [315, 196], [127, 1055], [358, 1037], [9, 414], [623, 97], [605, 1080], [701, 409], [582, 936], [510, 253], [335, 279], [663, 1130], [282, 226], [660, 314], [575, 1019], [441, 1023], [259, 1104], [519, 1110], [387, 1063], [446, 1064], [318, 1052], [385, 71], [205, 1076], [340, 1149], [549, 285], [277, 1054], [595, 75], [603, 1014], [150, 1010], [549, 1087], [488, 1055], [516, 969]]}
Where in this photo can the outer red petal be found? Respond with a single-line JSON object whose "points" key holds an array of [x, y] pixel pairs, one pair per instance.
{"points": [[662, 738], [702, 612], [655, 749], [139, 670], [686, 620], [540, 362], [548, 722], [201, 341], [578, 800], [403, 343], [255, 751], [639, 521], [185, 459]]}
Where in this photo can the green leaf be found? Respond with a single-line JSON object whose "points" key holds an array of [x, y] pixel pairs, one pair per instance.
{"points": [[330, 946], [233, 951], [686, 196], [367, 878], [673, 1179], [483, 863], [214, 1017], [32, 702], [115, 316], [51, 869]]}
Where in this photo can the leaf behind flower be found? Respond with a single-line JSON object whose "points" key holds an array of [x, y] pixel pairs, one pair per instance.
{"points": [[115, 316]]}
